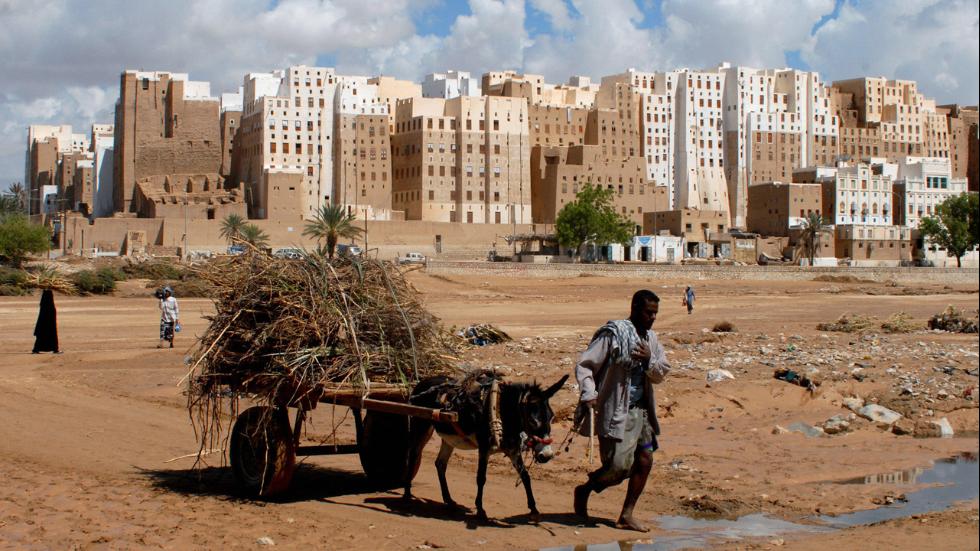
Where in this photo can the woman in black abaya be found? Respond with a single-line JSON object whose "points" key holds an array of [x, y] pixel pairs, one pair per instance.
{"points": [[46, 329]]}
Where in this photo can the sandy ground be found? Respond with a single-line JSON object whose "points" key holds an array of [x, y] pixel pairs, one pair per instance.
{"points": [[94, 443]]}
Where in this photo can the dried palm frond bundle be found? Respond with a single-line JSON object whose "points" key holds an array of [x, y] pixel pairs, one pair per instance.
{"points": [[48, 277], [286, 329], [849, 323]]}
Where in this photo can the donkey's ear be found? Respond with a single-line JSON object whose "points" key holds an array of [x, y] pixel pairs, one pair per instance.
{"points": [[555, 387]]}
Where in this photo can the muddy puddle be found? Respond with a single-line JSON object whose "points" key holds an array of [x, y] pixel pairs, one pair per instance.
{"points": [[951, 480], [948, 481]]}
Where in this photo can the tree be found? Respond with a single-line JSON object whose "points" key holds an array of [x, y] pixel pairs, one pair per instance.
{"points": [[332, 223], [20, 195], [231, 227], [955, 226], [9, 205], [591, 217], [19, 238], [254, 236], [810, 238]]}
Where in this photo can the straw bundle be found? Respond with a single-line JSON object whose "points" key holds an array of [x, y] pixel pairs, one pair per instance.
{"points": [[284, 329]]}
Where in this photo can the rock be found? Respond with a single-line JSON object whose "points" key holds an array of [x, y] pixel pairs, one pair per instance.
{"points": [[879, 414], [853, 403], [716, 375], [945, 429], [903, 427], [779, 430], [925, 428], [807, 430], [836, 425], [265, 540]]}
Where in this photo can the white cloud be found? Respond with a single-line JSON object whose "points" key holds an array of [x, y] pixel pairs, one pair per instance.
{"points": [[557, 12], [490, 37], [931, 41], [62, 58]]}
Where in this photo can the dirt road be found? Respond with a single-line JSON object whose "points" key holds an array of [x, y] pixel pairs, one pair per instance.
{"points": [[94, 443]]}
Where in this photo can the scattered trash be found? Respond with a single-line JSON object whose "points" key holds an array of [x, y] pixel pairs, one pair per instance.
{"points": [[954, 321], [879, 414], [265, 540], [483, 334], [889, 499], [792, 377], [716, 375]]}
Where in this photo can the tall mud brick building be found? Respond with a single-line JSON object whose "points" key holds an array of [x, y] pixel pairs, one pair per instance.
{"points": [[166, 125]]}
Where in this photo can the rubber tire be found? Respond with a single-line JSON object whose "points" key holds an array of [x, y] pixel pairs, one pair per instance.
{"points": [[383, 449], [261, 451]]}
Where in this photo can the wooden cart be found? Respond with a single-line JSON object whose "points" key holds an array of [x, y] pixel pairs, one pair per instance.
{"points": [[264, 443]]}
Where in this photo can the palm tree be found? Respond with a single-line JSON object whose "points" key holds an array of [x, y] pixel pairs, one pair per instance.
{"points": [[20, 195], [231, 227], [332, 223], [810, 237], [254, 236]]}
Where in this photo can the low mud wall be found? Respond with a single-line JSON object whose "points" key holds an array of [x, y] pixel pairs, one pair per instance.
{"points": [[764, 273]]}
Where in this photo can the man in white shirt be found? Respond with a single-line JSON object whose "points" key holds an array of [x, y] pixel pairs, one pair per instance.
{"points": [[169, 317]]}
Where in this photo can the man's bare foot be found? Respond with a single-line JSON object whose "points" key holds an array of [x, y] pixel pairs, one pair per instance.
{"points": [[582, 501], [627, 522]]}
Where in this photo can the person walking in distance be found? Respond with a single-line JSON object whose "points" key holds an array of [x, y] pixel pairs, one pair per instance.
{"points": [[169, 317], [46, 328], [616, 374], [689, 299]]}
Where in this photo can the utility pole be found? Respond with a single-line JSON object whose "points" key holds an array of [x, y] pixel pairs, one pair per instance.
{"points": [[186, 199]]}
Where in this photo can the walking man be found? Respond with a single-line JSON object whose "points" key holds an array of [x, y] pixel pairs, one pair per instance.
{"points": [[689, 299], [616, 375], [169, 317]]}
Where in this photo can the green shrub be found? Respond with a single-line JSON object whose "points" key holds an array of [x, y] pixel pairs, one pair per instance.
{"points": [[188, 287], [13, 277], [19, 238], [13, 291], [95, 282]]}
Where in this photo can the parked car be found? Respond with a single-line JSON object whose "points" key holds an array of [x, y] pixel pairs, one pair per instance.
{"points": [[348, 250], [412, 258], [236, 249], [288, 252]]}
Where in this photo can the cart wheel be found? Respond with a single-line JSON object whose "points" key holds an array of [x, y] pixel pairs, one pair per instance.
{"points": [[262, 453], [383, 448]]}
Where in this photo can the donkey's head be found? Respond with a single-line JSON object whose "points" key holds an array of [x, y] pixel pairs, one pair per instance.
{"points": [[536, 416]]}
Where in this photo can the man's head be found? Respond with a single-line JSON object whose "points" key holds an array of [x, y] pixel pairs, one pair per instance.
{"points": [[644, 308]]}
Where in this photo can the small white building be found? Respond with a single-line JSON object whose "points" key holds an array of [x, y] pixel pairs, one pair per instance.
{"points": [[660, 249], [449, 85], [923, 183]]}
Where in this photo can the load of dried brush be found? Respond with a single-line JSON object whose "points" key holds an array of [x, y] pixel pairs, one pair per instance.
{"points": [[286, 329]]}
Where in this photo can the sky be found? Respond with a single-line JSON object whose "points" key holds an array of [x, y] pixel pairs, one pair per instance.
{"points": [[62, 58]]}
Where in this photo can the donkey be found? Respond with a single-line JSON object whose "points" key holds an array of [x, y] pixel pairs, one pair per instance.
{"points": [[524, 423]]}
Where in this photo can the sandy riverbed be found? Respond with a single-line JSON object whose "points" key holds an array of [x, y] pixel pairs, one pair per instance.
{"points": [[89, 437]]}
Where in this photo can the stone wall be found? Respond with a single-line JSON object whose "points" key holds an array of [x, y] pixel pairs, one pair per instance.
{"points": [[391, 238], [698, 273]]}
